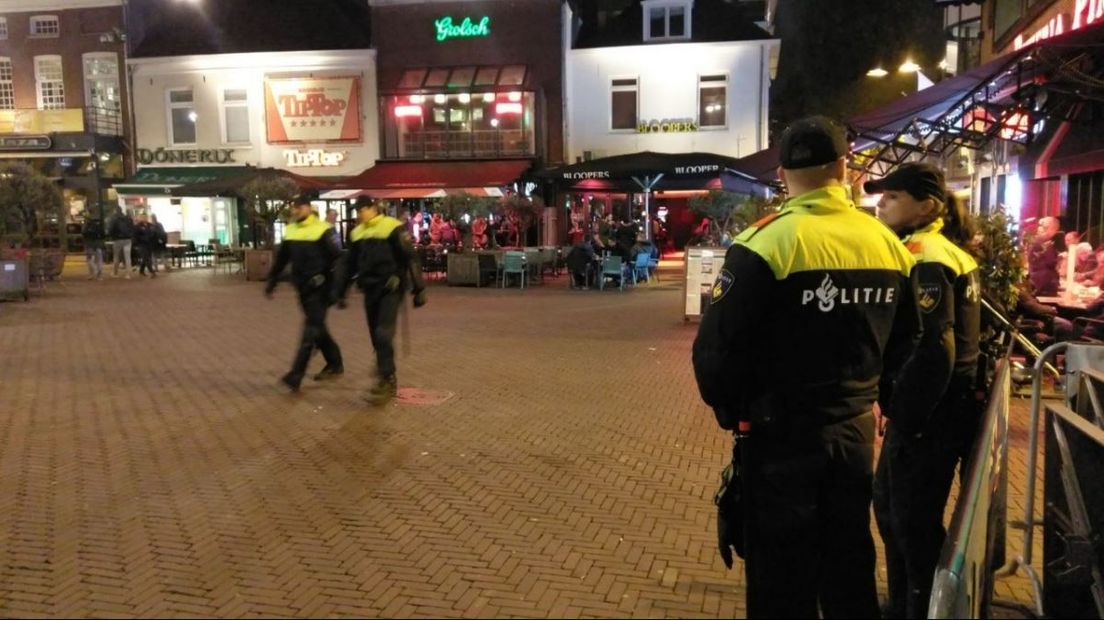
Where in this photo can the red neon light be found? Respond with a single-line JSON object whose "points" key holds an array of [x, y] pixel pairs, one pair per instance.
{"points": [[508, 108], [408, 110], [1016, 126]]}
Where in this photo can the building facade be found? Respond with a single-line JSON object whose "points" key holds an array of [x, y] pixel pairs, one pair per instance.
{"points": [[204, 116], [63, 99]]}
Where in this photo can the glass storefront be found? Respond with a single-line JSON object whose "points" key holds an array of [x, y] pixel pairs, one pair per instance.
{"points": [[196, 219], [459, 125]]}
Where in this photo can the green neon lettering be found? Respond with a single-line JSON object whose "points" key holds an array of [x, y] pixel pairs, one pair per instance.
{"points": [[446, 29]]}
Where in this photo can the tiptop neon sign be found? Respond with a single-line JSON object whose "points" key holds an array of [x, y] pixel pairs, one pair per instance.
{"points": [[1085, 12]]}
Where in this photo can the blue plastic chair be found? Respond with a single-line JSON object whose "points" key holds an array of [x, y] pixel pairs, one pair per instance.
{"points": [[612, 267], [514, 263], [640, 268]]}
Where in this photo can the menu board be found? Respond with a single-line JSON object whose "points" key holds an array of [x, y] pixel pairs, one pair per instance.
{"points": [[702, 266]]}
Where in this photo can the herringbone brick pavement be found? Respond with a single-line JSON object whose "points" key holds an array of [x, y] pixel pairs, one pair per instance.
{"points": [[150, 467]]}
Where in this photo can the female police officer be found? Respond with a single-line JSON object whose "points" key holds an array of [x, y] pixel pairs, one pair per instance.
{"points": [[931, 407]]}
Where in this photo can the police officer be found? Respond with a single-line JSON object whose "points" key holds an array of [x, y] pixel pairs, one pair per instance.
{"points": [[384, 263], [807, 303], [310, 247], [932, 410]]}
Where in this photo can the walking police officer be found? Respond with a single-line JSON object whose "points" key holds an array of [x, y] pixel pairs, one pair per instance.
{"points": [[809, 302], [933, 410], [310, 247], [383, 262]]}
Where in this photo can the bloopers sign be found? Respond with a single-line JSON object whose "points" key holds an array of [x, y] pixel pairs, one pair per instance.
{"points": [[312, 109]]}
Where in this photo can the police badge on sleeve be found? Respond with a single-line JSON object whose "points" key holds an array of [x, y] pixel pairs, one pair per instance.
{"points": [[722, 285], [930, 296]]}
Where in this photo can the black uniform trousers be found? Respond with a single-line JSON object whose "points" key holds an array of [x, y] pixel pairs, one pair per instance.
{"points": [[145, 256], [911, 488], [381, 307], [315, 335], [810, 548]]}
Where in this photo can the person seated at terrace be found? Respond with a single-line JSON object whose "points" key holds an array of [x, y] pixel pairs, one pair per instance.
{"points": [[579, 260]]}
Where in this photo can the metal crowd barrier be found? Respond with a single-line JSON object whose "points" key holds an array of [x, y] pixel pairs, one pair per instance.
{"points": [[963, 581]]}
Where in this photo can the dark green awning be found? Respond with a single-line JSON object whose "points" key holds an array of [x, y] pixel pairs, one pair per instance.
{"points": [[161, 181]]}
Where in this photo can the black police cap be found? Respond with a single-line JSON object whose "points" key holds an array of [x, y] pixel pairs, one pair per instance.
{"points": [[812, 141], [920, 180]]}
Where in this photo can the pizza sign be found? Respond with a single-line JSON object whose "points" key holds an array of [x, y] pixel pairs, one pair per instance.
{"points": [[312, 109]]}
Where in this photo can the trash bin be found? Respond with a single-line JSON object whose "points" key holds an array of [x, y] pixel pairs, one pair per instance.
{"points": [[14, 278]]}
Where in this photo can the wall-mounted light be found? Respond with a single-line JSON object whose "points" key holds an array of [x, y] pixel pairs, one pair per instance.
{"points": [[508, 108], [909, 67], [417, 99], [488, 97], [877, 72], [465, 98], [404, 111]]}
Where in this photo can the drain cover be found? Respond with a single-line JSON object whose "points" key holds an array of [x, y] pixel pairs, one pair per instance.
{"points": [[420, 397]]}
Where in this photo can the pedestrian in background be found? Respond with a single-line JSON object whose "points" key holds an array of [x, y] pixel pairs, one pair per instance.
{"points": [[160, 242], [932, 410], [144, 240], [93, 234], [806, 303], [383, 262], [310, 247], [122, 235], [331, 219]]}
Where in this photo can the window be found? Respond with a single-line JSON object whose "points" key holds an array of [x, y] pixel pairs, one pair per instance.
{"points": [[1005, 15], [182, 117], [412, 78], [666, 20], [49, 82], [45, 26], [235, 116], [7, 88], [712, 95], [102, 96], [623, 98], [3, 27]]}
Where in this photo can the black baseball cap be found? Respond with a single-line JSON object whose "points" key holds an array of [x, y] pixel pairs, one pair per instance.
{"points": [[305, 197], [920, 180], [812, 141]]}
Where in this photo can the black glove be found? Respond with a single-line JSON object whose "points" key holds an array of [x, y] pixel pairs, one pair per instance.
{"points": [[420, 298], [730, 515]]}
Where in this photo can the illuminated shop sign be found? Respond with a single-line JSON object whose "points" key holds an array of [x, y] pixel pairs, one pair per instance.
{"points": [[186, 156], [312, 109], [669, 125], [1085, 12], [446, 29], [313, 158]]}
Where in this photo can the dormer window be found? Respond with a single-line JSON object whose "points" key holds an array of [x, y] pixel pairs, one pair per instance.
{"points": [[667, 20]]}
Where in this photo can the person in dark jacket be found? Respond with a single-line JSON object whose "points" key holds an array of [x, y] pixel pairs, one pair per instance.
{"points": [[122, 235], [812, 305], [1042, 258], [310, 247], [383, 261], [93, 234], [932, 410], [145, 237], [160, 241]]}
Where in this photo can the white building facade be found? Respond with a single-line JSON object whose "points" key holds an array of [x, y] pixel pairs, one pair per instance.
{"points": [[313, 113]]}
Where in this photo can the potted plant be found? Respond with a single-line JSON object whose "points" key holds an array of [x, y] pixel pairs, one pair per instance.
{"points": [[28, 201], [522, 211], [456, 206], [267, 198], [728, 213]]}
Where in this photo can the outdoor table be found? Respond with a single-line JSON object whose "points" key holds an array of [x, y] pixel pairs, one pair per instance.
{"points": [[176, 253]]}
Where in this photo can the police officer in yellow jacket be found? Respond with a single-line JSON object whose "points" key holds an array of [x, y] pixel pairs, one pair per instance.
{"points": [[383, 262], [310, 247], [932, 410], [808, 304]]}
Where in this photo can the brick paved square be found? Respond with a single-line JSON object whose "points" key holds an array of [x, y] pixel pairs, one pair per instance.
{"points": [[151, 466]]}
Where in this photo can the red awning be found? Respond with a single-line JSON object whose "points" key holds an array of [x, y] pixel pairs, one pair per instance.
{"points": [[423, 178]]}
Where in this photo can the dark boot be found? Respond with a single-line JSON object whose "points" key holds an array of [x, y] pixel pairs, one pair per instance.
{"points": [[291, 381], [329, 373], [385, 389]]}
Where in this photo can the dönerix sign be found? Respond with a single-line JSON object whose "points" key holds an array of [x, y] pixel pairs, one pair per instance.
{"points": [[186, 156], [667, 125], [446, 29]]}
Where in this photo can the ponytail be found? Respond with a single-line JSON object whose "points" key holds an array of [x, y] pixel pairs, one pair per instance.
{"points": [[956, 223]]}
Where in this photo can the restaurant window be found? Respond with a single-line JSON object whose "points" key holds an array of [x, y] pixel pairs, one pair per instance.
{"points": [[7, 87], [49, 82], [486, 76], [235, 116], [45, 26], [623, 104], [437, 78], [465, 125], [182, 117], [712, 100], [666, 20], [412, 78], [3, 28]]}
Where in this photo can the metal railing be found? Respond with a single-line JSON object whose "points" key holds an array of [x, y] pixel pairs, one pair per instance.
{"points": [[475, 143], [963, 579], [104, 121]]}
